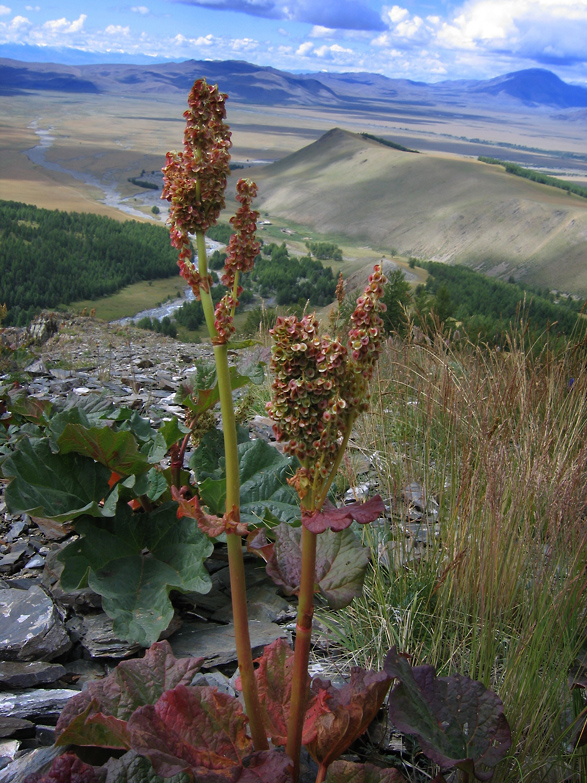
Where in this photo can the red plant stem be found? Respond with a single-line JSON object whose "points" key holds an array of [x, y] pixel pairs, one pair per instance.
{"points": [[322, 770], [299, 686], [183, 447]]}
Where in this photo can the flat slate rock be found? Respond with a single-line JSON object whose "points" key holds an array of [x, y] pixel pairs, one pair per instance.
{"points": [[11, 726], [21, 674], [216, 643], [37, 703], [30, 626], [100, 641], [35, 761]]}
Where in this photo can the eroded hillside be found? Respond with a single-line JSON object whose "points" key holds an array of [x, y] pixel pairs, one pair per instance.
{"points": [[432, 206]]}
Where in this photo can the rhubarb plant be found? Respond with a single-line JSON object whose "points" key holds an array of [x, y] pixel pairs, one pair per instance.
{"points": [[148, 708]]}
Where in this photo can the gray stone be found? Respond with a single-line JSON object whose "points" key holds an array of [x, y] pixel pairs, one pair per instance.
{"points": [[35, 704], [82, 671], [217, 680], [37, 368], [216, 643], [99, 639], [35, 761], [10, 560], [59, 374], [20, 674], [35, 562], [263, 604], [15, 530], [30, 627], [45, 735], [11, 726]]}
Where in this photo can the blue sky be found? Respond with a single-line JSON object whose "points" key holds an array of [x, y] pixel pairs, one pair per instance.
{"points": [[427, 40]]}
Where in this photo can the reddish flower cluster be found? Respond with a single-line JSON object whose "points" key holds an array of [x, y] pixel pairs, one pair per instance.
{"points": [[242, 248], [195, 179], [319, 384], [308, 373], [365, 338], [223, 318]]}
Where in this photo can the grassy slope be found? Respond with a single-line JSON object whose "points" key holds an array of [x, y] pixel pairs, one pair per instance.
{"points": [[432, 206]]}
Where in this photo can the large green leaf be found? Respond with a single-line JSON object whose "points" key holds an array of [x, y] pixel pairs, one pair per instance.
{"points": [[458, 721], [56, 486], [173, 431], [263, 476], [207, 461], [133, 561], [118, 451]]}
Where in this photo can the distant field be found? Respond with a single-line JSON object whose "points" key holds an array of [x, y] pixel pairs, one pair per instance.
{"points": [[132, 299]]}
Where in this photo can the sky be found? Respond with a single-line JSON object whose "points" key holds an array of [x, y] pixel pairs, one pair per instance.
{"points": [[424, 40]]}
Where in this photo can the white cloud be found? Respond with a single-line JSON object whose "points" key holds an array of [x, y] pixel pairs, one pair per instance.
{"points": [[396, 14], [5, 10], [540, 30], [117, 29], [140, 9], [15, 30], [322, 32], [304, 49], [244, 45], [63, 26]]}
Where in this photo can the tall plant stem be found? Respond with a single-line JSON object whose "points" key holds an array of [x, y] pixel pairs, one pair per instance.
{"points": [[339, 455], [299, 686], [207, 304], [234, 543]]}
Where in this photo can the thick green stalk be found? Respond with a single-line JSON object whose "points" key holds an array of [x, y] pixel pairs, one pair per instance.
{"points": [[234, 542], [207, 303], [299, 686]]}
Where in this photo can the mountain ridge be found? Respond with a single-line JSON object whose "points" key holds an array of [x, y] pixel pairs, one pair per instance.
{"points": [[264, 85]]}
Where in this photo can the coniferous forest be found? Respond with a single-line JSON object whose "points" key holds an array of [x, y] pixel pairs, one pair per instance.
{"points": [[49, 257]]}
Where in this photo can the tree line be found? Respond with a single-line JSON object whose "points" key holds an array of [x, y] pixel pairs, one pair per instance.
{"points": [[486, 308], [50, 257], [536, 176]]}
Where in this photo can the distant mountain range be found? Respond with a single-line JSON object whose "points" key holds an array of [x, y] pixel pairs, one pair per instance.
{"points": [[532, 88]]}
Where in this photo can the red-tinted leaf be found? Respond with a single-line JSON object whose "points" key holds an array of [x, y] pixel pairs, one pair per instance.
{"points": [[274, 677], [191, 729], [341, 564], [100, 710], [267, 766], [351, 710], [349, 772], [336, 519], [213, 526], [258, 544], [458, 722], [66, 769], [92, 727]]}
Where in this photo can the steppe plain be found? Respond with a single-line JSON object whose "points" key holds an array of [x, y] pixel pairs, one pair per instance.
{"points": [[440, 204]]}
